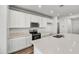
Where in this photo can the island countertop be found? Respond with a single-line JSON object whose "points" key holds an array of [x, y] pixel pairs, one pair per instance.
{"points": [[51, 45]]}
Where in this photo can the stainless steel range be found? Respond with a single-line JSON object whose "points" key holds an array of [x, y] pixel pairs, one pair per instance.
{"points": [[35, 34]]}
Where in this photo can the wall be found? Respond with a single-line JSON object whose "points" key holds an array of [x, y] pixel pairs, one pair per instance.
{"points": [[69, 25], [75, 26], [3, 29], [73, 23], [65, 25]]}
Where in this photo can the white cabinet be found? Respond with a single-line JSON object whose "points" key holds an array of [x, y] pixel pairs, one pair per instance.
{"points": [[23, 20], [35, 18], [39, 21], [16, 44], [49, 21], [19, 43], [49, 26], [43, 22], [27, 20], [17, 19]]}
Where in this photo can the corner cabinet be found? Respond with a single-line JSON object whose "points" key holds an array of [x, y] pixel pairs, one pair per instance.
{"points": [[17, 19]]}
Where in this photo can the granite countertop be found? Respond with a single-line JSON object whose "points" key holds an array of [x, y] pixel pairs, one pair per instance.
{"points": [[18, 34], [51, 45]]}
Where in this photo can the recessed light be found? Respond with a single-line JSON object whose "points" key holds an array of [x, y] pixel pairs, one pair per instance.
{"points": [[39, 6], [51, 11]]}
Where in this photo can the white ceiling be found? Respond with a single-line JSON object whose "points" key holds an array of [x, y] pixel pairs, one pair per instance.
{"points": [[53, 10]]}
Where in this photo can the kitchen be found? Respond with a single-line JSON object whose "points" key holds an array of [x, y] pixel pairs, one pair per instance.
{"points": [[49, 36]]}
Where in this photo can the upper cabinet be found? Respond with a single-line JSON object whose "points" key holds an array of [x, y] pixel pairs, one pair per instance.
{"points": [[17, 19], [27, 20], [39, 20], [49, 21], [22, 20], [43, 22], [46, 23], [35, 18]]}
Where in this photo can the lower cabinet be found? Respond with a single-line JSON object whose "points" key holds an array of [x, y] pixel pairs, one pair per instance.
{"points": [[19, 43]]}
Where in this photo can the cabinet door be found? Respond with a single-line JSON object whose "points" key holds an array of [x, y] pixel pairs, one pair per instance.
{"points": [[28, 41], [39, 21], [49, 26], [17, 19], [49, 20], [44, 22], [35, 18], [27, 20], [16, 44], [19, 44]]}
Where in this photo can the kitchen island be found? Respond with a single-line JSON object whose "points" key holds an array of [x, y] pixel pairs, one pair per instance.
{"points": [[69, 44]]}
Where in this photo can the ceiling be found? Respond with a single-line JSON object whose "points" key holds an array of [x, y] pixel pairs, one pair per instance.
{"points": [[53, 10]]}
